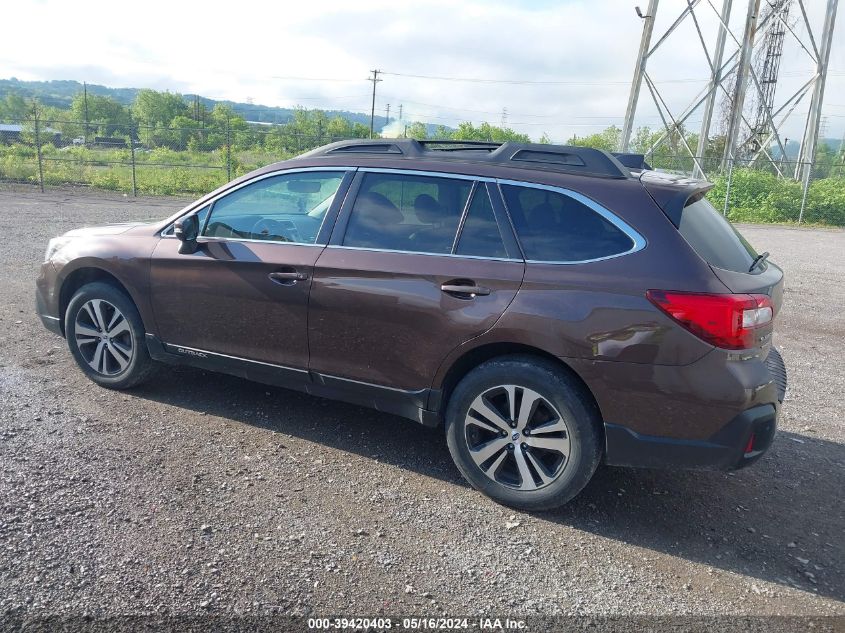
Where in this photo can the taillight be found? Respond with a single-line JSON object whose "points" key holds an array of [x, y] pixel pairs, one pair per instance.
{"points": [[723, 320]]}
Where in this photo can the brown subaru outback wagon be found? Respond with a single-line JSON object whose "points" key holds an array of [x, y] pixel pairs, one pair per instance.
{"points": [[552, 307]]}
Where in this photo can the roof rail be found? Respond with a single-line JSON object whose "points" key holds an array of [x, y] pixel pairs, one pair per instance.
{"points": [[587, 161]]}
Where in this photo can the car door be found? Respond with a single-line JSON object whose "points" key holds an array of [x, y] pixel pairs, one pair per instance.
{"points": [[244, 293], [417, 265]]}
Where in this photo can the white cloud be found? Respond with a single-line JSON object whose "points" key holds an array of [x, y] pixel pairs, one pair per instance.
{"points": [[249, 51]]}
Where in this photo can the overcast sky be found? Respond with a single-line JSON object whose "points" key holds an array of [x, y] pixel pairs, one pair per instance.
{"points": [[319, 54]]}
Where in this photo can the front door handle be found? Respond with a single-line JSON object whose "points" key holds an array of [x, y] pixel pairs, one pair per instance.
{"points": [[464, 289], [287, 278]]}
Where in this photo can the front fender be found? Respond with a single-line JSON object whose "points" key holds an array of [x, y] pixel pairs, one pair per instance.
{"points": [[126, 258]]}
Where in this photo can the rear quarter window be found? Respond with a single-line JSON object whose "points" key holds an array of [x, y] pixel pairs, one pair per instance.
{"points": [[714, 238], [555, 227]]}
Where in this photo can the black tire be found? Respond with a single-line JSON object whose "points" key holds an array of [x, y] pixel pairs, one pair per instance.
{"points": [[139, 366], [575, 407]]}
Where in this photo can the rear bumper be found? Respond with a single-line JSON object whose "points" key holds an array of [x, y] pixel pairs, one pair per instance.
{"points": [[739, 443]]}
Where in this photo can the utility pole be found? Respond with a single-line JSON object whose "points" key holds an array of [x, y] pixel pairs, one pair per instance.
{"points": [[35, 114], [742, 72], [841, 153], [504, 117], [85, 103], [715, 81], [639, 71], [400, 111], [811, 132], [387, 115], [376, 72]]}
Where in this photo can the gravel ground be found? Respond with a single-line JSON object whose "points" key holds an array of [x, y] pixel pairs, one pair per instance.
{"points": [[202, 493]]}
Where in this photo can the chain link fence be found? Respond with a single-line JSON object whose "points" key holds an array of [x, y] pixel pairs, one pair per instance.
{"points": [[764, 190], [141, 159], [192, 160]]}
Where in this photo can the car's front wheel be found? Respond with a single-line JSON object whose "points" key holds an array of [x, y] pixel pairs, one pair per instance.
{"points": [[523, 432], [106, 336]]}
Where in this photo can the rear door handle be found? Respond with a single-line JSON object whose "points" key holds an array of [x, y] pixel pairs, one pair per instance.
{"points": [[464, 290], [287, 278]]}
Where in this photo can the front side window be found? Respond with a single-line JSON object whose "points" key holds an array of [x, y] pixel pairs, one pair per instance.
{"points": [[555, 227], [403, 212], [283, 208]]}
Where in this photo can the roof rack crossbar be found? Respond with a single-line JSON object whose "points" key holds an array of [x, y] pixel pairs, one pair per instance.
{"points": [[586, 161]]}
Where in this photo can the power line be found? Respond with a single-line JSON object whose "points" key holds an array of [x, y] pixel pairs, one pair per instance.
{"points": [[338, 79], [526, 82]]}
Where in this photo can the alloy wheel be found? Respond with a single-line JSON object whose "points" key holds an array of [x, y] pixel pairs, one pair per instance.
{"points": [[517, 437], [104, 337]]}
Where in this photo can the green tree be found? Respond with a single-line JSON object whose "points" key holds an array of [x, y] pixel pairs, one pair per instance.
{"points": [[105, 116], [416, 130], [14, 108], [154, 112], [606, 140], [485, 132], [441, 132], [158, 108]]}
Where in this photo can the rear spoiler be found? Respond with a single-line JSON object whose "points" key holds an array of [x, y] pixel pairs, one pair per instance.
{"points": [[672, 192], [631, 161]]}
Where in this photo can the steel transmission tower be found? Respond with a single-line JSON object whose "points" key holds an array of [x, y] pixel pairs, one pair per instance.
{"points": [[771, 53], [732, 74]]}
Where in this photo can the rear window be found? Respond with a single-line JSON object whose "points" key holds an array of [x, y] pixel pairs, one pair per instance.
{"points": [[713, 237], [554, 227]]}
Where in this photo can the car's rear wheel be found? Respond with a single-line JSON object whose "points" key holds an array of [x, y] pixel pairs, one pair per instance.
{"points": [[523, 432], [106, 336]]}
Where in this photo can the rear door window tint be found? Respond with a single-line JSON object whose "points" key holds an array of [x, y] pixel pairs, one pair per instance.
{"points": [[555, 227], [404, 212]]}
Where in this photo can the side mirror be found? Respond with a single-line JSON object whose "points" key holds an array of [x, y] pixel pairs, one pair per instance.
{"points": [[186, 231]]}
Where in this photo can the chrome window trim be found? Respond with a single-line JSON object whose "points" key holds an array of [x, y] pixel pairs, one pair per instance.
{"points": [[281, 172], [638, 240], [389, 250], [202, 239]]}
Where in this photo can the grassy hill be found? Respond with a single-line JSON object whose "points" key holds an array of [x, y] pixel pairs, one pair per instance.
{"points": [[59, 93]]}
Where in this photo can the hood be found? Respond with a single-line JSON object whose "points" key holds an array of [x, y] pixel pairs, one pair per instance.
{"points": [[106, 229]]}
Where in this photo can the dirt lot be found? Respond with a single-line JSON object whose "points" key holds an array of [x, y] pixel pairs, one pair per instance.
{"points": [[202, 493]]}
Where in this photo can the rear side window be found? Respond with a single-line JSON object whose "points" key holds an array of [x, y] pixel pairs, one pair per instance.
{"points": [[480, 235], [403, 212], [713, 237], [555, 227]]}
